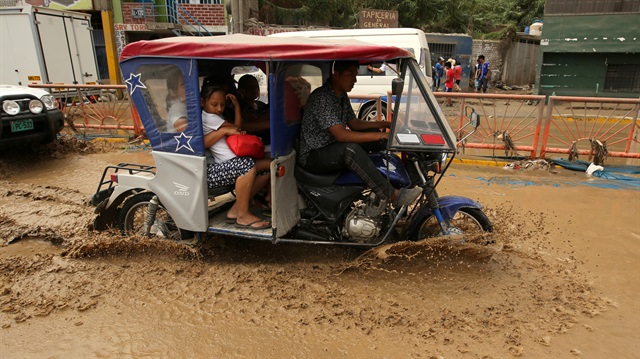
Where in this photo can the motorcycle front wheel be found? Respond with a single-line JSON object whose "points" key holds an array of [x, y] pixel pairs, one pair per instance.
{"points": [[134, 214], [467, 221]]}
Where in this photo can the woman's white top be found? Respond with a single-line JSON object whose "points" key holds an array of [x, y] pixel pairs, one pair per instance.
{"points": [[177, 110]]}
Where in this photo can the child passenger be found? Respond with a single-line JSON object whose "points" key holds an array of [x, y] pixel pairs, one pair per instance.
{"points": [[245, 172]]}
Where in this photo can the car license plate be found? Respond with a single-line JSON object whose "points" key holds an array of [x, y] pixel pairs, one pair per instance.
{"points": [[21, 125]]}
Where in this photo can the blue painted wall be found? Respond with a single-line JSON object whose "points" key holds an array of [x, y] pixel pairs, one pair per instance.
{"points": [[463, 48]]}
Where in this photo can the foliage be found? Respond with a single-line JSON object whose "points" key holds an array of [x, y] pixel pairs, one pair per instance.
{"points": [[476, 17]]}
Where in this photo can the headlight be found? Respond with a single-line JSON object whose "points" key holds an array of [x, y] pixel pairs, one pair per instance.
{"points": [[35, 106], [11, 107], [49, 102]]}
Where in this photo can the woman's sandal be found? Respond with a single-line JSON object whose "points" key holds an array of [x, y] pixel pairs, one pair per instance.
{"points": [[251, 225]]}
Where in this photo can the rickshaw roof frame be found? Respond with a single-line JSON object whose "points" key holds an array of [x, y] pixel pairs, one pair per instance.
{"points": [[261, 48]]}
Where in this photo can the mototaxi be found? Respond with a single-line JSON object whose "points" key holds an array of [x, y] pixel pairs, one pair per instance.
{"points": [[172, 200]]}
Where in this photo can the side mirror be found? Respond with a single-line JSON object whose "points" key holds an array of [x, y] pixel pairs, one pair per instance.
{"points": [[397, 85], [474, 119]]}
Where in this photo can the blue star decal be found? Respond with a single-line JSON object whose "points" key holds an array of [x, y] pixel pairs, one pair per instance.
{"points": [[134, 82], [184, 141]]}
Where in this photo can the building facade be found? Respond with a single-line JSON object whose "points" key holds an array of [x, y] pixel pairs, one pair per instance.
{"points": [[590, 48]]}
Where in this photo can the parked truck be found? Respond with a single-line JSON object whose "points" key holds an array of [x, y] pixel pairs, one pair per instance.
{"points": [[46, 46]]}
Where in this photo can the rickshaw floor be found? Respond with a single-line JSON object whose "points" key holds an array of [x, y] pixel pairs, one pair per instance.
{"points": [[218, 220], [218, 224]]}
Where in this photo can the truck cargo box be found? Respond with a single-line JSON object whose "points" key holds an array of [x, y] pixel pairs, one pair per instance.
{"points": [[46, 46]]}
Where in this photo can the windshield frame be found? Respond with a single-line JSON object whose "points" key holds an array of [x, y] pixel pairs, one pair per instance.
{"points": [[415, 81]]}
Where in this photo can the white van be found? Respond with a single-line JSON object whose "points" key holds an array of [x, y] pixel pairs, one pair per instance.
{"points": [[370, 83]]}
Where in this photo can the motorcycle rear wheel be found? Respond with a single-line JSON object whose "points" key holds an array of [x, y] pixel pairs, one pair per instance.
{"points": [[469, 221], [134, 213]]}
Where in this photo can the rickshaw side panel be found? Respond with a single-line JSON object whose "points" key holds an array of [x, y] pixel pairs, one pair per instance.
{"points": [[140, 74]]}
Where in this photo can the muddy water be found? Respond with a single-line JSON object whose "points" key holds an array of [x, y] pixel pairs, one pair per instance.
{"points": [[562, 279]]}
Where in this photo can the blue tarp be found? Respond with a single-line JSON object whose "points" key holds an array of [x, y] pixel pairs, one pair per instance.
{"points": [[581, 166], [607, 173]]}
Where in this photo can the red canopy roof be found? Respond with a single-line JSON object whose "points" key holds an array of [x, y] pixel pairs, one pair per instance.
{"points": [[260, 48]]}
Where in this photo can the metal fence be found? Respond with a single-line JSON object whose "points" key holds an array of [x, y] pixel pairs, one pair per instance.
{"points": [[512, 126], [515, 125], [102, 109]]}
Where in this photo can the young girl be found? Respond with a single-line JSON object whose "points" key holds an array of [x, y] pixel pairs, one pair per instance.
{"points": [[227, 167]]}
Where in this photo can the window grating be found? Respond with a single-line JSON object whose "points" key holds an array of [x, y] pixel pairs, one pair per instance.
{"points": [[441, 50], [622, 78]]}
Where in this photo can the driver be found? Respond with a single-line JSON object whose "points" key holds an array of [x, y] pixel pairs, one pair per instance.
{"points": [[326, 145]]}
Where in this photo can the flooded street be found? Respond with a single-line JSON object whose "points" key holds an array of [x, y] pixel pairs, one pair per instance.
{"points": [[562, 279]]}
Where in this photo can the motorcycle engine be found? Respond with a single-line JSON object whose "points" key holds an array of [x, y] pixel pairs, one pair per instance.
{"points": [[362, 223]]}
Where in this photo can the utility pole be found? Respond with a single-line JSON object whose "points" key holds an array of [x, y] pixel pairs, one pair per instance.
{"points": [[237, 16]]}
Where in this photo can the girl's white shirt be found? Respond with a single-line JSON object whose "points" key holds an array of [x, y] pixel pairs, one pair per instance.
{"points": [[220, 150]]}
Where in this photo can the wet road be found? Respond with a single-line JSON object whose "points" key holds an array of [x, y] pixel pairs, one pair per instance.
{"points": [[562, 280]]}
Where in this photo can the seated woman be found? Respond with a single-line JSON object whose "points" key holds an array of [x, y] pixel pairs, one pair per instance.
{"points": [[247, 173], [255, 113], [176, 103]]}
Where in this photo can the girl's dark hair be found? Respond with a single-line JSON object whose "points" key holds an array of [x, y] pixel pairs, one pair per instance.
{"points": [[209, 89]]}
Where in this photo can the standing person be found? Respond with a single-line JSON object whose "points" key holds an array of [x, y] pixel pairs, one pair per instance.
{"points": [[476, 76], [448, 84], [229, 168], [382, 69], [326, 145], [457, 69], [438, 74], [483, 73]]}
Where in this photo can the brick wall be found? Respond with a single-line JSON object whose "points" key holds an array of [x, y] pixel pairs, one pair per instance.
{"points": [[488, 48], [207, 15]]}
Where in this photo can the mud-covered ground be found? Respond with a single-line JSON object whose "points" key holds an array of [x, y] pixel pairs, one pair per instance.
{"points": [[562, 280]]}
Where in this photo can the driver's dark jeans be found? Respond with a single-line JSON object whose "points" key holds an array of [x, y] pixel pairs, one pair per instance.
{"points": [[353, 156]]}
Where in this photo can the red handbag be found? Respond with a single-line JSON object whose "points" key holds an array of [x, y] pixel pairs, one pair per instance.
{"points": [[246, 145]]}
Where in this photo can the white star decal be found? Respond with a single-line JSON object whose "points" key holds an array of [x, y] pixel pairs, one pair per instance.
{"points": [[134, 82], [184, 141]]}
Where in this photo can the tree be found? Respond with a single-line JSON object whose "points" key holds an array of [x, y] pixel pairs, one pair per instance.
{"points": [[476, 17]]}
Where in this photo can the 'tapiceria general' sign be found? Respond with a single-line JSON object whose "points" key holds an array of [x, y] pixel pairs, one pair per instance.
{"points": [[372, 19]]}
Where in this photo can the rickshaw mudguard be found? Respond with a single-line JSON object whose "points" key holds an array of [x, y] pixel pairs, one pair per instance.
{"points": [[181, 186], [179, 183], [448, 206]]}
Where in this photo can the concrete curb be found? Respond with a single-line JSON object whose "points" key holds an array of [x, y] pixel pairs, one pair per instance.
{"points": [[480, 162], [116, 140]]}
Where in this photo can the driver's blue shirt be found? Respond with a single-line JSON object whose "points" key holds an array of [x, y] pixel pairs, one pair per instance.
{"points": [[323, 110]]}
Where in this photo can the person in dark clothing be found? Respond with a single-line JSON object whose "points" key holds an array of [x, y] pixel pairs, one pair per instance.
{"points": [[255, 113], [327, 145]]}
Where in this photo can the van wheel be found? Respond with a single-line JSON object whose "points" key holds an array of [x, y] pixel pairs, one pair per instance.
{"points": [[133, 217], [370, 113]]}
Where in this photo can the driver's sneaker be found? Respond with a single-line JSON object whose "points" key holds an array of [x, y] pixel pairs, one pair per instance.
{"points": [[406, 196]]}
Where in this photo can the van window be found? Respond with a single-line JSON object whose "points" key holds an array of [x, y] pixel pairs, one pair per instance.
{"points": [[164, 94], [256, 72]]}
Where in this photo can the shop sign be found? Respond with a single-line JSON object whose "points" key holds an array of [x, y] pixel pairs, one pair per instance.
{"points": [[374, 19], [130, 27]]}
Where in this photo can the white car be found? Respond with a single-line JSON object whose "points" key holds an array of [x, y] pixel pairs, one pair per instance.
{"points": [[28, 116]]}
